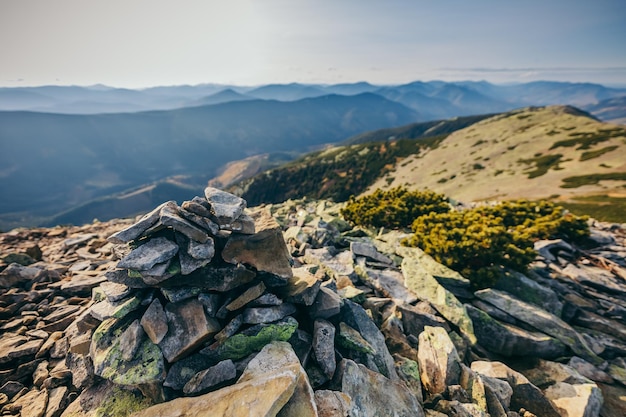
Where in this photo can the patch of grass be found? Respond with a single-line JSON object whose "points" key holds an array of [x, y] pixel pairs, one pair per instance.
{"points": [[552, 132], [591, 179], [478, 166], [480, 142], [585, 140], [601, 207], [542, 164], [498, 172], [594, 154]]}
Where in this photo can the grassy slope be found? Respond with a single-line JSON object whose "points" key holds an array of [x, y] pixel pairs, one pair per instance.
{"points": [[516, 155]]}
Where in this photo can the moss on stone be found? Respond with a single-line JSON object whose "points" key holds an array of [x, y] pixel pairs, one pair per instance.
{"points": [[241, 345], [122, 403]]}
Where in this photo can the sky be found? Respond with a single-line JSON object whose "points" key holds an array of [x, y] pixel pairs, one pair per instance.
{"points": [[143, 43]]}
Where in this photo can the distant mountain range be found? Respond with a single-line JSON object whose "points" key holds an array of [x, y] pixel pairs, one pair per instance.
{"points": [[63, 148], [50, 163], [432, 100]]}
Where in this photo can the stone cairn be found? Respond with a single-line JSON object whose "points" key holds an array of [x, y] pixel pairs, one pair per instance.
{"points": [[214, 309], [201, 288]]}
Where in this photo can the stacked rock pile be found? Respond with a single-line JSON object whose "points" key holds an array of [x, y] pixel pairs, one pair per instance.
{"points": [[214, 309]]}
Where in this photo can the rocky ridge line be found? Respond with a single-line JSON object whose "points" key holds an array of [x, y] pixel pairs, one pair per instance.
{"points": [[356, 326]]}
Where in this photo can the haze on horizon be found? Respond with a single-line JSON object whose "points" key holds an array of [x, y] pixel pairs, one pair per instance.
{"points": [[143, 43]]}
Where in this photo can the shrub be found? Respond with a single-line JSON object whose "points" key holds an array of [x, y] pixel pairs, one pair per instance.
{"points": [[477, 242], [394, 208]]}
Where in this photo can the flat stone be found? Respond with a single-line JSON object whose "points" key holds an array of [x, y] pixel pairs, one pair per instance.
{"points": [[16, 274], [327, 304], [169, 216], [203, 221], [230, 329], [579, 400], [120, 276], [355, 316], [541, 320], [389, 282], [369, 251], [225, 207], [137, 229], [201, 251], [589, 371], [302, 288], [188, 327], [115, 291], [80, 344], [32, 404], [216, 375], [414, 318], [530, 291], [336, 264], [177, 294], [146, 367], [247, 296], [155, 251], [408, 371], [211, 302], [82, 285], [416, 267], [106, 309], [154, 322], [324, 346], [221, 279], [508, 340], [438, 360], [265, 250], [373, 395], [595, 278], [61, 312], [267, 299], [199, 206], [256, 315]]}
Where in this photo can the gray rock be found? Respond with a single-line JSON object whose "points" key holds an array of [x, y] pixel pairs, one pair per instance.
{"points": [[419, 271], [154, 322], [389, 282], [199, 206], [336, 264], [81, 367], [176, 294], [159, 272], [137, 229], [247, 296], [327, 304], [118, 309], [588, 370], [188, 328], [414, 318], [16, 274], [203, 221], [352, 340], [595, 278], [114, 291], [541, 320], [216, 375], [189, 264], [525, 394], [218, 279], [267, 299], [225, 207], [170, 216], [230, 329], [81, 285], [202, 251], [211, 302], [157, 250], [355, 316], [530, 291], [324, 346], [130, 340], [369, 251], [508, 340], [146, 367], [183, 370], [244, 224], [302, 288], [120, 276], [408, 371], [373, 395], [257, 315], [550, 249], [265, 250], [332, 403], [438, 360]]}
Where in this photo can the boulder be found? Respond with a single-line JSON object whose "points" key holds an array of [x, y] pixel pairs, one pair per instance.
{"points": [[225, 207], [374, 395], [419, 279], [438, 360]]}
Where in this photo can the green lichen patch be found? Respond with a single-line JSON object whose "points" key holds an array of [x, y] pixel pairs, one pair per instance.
{"points": [[254, 339], [350, 339], [122, 403]]}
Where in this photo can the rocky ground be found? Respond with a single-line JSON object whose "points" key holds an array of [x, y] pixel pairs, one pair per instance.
{"points": [[212, 313]]}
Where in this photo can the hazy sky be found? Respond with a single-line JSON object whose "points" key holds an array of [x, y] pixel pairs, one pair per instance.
{"points": [[139, 43]]}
